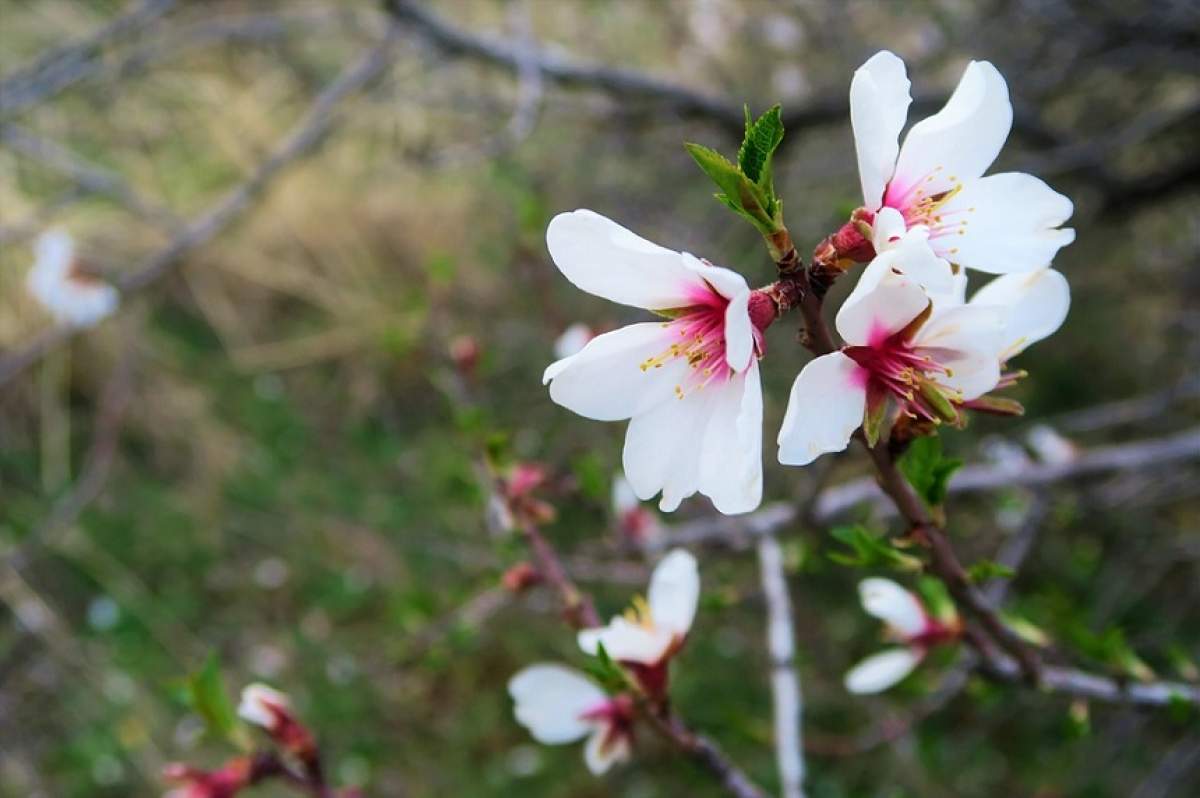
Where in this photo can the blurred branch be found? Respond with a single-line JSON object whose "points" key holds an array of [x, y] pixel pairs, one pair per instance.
{"points": [[90, 178], [1127, 411], [303, 139], [785, 681], [833, 502], [63, 66]]}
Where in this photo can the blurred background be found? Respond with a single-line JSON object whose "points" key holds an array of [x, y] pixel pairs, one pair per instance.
{"points": [[327, 219]]}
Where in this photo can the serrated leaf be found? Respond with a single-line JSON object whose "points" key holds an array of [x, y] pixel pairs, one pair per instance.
{"points": [[927, 470], [207, 696], [763, 136]]}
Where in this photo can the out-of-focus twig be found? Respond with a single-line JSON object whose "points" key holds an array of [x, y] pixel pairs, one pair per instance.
{"points": [[785, 681], [977, 478], [62, 66], [304, 137]]}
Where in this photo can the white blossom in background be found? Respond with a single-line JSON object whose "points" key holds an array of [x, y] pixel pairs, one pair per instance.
{"points": [[900, 348], [69, 295], [572, 339], [1001, 223], [560, 705], [653, 630], [907, 624], [689, 384], [637, 523], [263, 706]]}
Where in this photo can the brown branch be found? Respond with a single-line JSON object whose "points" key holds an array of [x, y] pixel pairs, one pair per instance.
{"points": [[303, 139], [705, 752]]}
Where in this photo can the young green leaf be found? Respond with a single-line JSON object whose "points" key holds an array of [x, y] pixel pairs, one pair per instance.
{"points": [[762, 138], [868, 551], [927, 470], [207, 696], [985, 570]]}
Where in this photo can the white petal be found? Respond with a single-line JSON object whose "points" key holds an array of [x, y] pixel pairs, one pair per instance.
{"points": [[623, 497], [53, 252], [550, 701], [888, 229], [1003, 223], [572, 340], [726, 282], [958, 143], [879, 100], [916, 260], [605, 380], [739, 332], [255, 703], [955, 296], [892, 604], [967, 340], [826, 405], [731, 454], [663, 445], [625, 641], [603, 751], [882, 311], [1035, 305], [880, 671], [674, 592], [605, 259]]}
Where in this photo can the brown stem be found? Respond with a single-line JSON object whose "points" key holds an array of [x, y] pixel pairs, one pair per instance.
{"points": [[704, 751], [578, 608]]}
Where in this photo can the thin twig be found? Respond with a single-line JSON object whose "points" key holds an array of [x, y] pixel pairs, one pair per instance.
{"points": [[303, 138], [785, 680]]}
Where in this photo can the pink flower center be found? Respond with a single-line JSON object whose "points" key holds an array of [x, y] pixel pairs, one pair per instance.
{"points": [[892, 365], [920, 207], [697, 335]]}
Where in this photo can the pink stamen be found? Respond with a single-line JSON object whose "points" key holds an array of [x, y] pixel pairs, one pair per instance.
{"points": [[698, 335], [891, 362]]}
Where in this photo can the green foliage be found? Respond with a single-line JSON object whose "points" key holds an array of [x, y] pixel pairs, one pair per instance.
{"points": [[869, 551], [610, 675], [937, 598], [208, 699], [1111, 647], [985, 570], [928, 470], [748, 187]]}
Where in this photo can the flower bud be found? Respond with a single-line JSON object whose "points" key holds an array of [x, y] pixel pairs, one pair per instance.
{"points": [[464, 351], [520, 577]]}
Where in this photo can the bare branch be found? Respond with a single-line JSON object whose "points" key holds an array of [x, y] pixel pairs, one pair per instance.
{"points": [[304, 138], [785, 681]]}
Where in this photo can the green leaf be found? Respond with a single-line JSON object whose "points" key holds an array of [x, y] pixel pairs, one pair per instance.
{"points": [[937, 598], [609, 674], [985, 570], [763, 136], [869, 551], [927, 470], [207, 696]]}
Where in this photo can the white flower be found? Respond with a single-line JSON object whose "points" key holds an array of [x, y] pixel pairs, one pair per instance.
{"points": [[1000, 223], [71, 297], [907, 623], [572, 339], [1034, 305], [689, 386], [561, 705], [263, 706], [653, 629], [900, 348]]}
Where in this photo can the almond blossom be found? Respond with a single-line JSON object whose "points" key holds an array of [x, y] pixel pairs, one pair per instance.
{"points": [[264, 706], [572, 339], [689, 384], [71, 296], [901, 352], [908, 624], [646, 637], [560, 705], [636, 523], [1006, 222]]}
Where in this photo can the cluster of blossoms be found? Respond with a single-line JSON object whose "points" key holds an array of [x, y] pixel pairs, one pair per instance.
{"points": [[916, 353], [916, 350], [561, 705]]}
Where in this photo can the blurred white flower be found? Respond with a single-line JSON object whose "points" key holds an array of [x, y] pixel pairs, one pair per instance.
{"points": [[560, 705], [689, 385], [264, 706], [1001, 223], [71, 296], [573, 339], [907, 623], [1050, 446], [654, 628], [637, 523]]}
